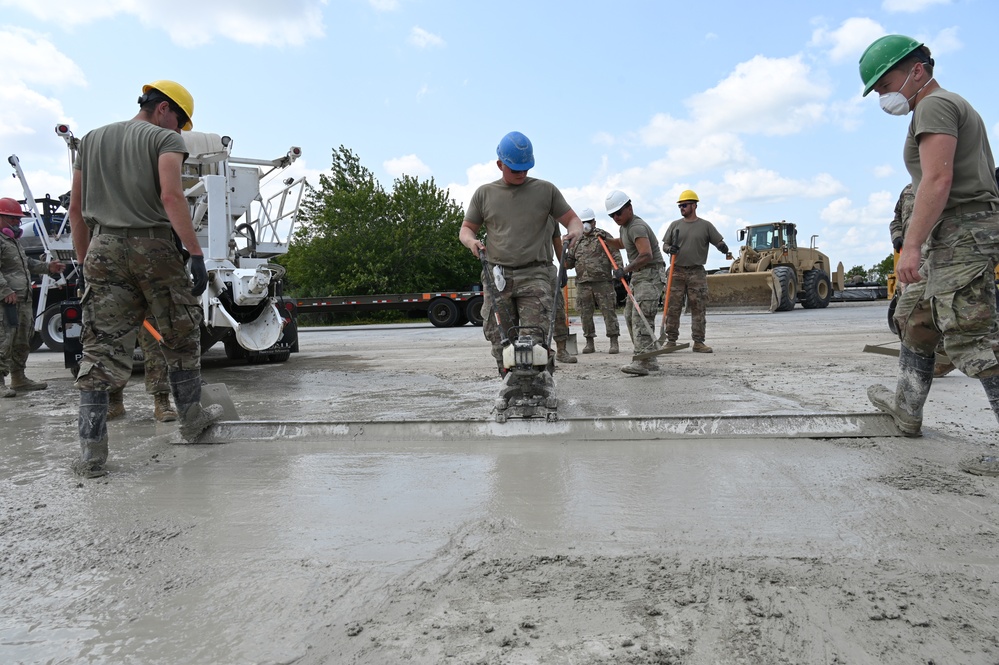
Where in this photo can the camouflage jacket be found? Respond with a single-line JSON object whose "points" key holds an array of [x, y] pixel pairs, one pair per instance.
{"points": [[903, 211], [16, 269], [590, 260]]}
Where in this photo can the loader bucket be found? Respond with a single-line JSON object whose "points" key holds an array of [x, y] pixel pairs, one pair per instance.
{"points": [[744, 289]]}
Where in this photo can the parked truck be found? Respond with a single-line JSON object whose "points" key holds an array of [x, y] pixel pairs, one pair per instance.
{"points": [[444, 308], [772, 271]]}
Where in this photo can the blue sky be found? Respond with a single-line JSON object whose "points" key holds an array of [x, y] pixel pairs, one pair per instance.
{"points": [[756, 106]]}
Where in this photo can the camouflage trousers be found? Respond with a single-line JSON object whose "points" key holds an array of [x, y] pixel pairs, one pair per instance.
{"points": [[561, 330], [526, 301], [647, 287], [692, 282], [154, 366], [127, 278], [956, 301], [597, 295], [15, 342]]}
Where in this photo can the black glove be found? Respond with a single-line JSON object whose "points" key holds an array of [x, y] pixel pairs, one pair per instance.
{"points": [[673, 249], [897, 244], [618, 273], [200, 275], [723, 248], [563, 279]]}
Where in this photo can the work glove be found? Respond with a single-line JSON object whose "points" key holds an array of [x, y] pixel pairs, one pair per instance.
{"points": [[563, 280], [896, 243], [618, 273], [673, 249], [200, 275]]}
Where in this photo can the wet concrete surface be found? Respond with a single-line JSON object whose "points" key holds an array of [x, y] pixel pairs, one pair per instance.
{"points": [[328, 545]]}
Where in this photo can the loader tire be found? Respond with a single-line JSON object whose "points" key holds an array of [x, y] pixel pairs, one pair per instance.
{"points": [[817, 290], [787, 283]]}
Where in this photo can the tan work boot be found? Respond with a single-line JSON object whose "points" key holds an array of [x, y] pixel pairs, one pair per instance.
{"points": [[163, 411], [613, 346], [670, 344], [701, 347], [589, 346], [942, 369], [636, 368], [5, 390], [18, 381], [116, 404], [564, 356]]}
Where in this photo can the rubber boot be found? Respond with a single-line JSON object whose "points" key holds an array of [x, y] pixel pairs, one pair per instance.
{"points": [[700, 347], [562, 355], [163, 411], [905, 405], [613, 346], [589, 348], [18, 381], [116, 404], [194, 419], [93, 434], [5, 390]]}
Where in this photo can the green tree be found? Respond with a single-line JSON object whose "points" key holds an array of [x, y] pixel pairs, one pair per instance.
{"points": [[880, 272], [355, 238]]}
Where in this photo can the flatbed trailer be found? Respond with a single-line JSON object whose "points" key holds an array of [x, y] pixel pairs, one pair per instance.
{"points": [[444, 308]]}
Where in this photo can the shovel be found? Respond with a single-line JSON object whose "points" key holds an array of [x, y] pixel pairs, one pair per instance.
{"points": [[652, 333], [211, 393]]}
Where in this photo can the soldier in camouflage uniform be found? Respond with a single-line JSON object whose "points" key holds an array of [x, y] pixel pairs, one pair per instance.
{"points": [[594, 284], [898, 226], [127, 191], [952, 243], [514, 213], [561, 328], [17, 322]]}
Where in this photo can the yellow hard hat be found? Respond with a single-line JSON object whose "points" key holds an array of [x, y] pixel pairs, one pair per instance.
{"points": [[177, 93], [687, 195]]}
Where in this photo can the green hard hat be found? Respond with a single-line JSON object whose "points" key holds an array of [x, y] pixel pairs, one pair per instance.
{"points": [[882, 55]]}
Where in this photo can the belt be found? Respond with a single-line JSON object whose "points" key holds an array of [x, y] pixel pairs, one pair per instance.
{"points": [[533, 264], [970, 207], [694, 267], [161, 232]]}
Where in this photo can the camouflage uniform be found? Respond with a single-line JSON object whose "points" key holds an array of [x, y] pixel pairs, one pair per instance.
{"points": [[690, 282], [525, 301], [594, 284], [16, 269], [956, 300], [903, 211]]}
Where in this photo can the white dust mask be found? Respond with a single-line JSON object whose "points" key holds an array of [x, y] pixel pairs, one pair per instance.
{"points": [[895, 103], [587, 227]]}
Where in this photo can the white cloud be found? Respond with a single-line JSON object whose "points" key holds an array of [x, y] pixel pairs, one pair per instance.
{"points": [[848, 41], [884, 171], [420, 38], [257, 22], [768, 185], [911, 6], [410, 165], [860, 231], [477, 174], [946, 41]]}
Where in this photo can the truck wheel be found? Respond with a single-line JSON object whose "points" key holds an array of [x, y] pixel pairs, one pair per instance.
{"points": [[35, 342], [818, 290], [473, 311], [443, 312], [233, 351], [52, 328], [787, 287], [891, 314]]}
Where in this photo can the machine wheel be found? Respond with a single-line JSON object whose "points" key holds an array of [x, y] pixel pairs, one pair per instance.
{"points": [[817, 289], [35, 342], [473, 311], [891, 314], [233, 351], [443, 313], [787, 287], [52, 333], [280, 357]]}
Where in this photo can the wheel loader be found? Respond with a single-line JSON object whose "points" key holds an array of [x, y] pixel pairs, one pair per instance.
{"points": [[772, 271]]}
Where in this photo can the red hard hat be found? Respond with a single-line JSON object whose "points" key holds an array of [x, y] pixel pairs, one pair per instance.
{"points": [[11, 208]]}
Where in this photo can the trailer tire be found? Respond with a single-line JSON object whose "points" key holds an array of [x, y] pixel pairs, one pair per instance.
{"points": [[817, 289], [473, 311], [233, 351], [443, 312], [52, 333], [35, 342], [787, 287]]}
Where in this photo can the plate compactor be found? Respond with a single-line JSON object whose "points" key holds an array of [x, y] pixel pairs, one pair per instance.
{"points": [[527, 366]]}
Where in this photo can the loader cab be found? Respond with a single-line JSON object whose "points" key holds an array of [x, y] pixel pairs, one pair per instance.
{"points": [[769, 236]]}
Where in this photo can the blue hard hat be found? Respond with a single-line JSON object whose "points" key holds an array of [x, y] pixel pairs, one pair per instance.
{"points": [[515, 150]]}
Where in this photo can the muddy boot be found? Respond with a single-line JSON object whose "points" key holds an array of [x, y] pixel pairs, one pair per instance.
{"points": [[93, 434], [636, 368], [116, 404], [5, 390], [194, 419], [651, 364], [700, 347], [18, 381], [163, 411], [589, 348], [563, 356], [613, 346], [905, 405]]}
